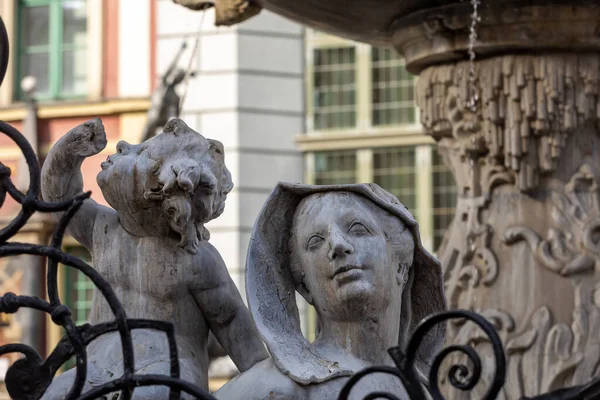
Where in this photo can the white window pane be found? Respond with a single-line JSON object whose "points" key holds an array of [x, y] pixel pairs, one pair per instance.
{"points": [[37, 65], [74, 72], [335, 167], [444, 198], [74, 22], [334, 88], [395, 171], [35, 26], [393, 91]]}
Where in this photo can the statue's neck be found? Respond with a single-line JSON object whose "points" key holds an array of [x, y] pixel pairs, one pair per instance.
{"points": [[367, 339]]}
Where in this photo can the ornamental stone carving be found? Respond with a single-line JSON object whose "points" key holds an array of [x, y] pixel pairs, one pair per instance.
{"points": [[527, 226], [572, 245]]}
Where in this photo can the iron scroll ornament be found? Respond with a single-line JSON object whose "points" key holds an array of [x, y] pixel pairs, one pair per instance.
{"points": [[460, 376]]}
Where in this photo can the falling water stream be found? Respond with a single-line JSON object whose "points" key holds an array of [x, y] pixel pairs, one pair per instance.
{"points": [[473, 97]]}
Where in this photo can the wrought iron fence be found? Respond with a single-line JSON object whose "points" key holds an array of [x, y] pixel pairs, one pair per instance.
{"points": [[30, 376]]}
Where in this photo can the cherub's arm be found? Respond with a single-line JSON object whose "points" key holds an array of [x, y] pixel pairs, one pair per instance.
{"points": [[62, 179], [223, 308]]}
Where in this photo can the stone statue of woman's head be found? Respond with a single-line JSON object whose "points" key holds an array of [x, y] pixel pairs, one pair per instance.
{"points": [[351, 251], [355, 254]]}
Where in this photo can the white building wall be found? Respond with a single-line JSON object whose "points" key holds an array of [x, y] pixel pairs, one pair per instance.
{"points": [[248, 93], [134, 48]]}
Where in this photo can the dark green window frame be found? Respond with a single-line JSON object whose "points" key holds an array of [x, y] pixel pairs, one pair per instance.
{"points": [[55, 49], [76, 289]]}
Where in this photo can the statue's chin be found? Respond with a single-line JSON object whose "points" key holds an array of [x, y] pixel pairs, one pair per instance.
{"points": [[355, 292], [102, 178]]}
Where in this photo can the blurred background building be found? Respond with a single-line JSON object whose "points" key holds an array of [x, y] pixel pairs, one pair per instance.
{"points": [[288, 104]]}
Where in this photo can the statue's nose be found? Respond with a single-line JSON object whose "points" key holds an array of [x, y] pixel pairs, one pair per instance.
{"points": [[339, 246], [123, 147]]}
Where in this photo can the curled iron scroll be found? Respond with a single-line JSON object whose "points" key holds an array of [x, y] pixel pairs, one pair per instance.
{"points": [[4, 50], [460, 376]]}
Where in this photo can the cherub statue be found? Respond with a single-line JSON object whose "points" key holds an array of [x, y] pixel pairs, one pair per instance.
{"points": [[152, 248], [165, 100]]}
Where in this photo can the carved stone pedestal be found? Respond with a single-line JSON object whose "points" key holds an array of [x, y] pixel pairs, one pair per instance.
{"points": [[520, 129], [524, 247]]}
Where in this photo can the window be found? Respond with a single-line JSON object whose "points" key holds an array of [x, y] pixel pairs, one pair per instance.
{"points": [[414, 174], [79, 289], [395, 171], [334, 85], [335, 167], [53, 47], [444, 198], [356, 87], [393, 97]]}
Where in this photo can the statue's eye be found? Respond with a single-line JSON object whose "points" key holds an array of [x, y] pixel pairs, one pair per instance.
{"points": [[358, 229], [313, 242]]}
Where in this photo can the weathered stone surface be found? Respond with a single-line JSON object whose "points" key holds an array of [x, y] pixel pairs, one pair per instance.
{"points": [[524, 247], [442, 33], [354, 253], [152, 248]]}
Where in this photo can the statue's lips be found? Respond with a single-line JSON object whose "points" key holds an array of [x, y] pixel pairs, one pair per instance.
{"points": [[106, 164], [347, 272]]}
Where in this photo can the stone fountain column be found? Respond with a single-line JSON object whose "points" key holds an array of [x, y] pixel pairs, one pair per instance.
{"points": [[524, 246]]}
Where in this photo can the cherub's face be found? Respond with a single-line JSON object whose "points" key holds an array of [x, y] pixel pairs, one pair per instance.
{"points": [[179, 162]]}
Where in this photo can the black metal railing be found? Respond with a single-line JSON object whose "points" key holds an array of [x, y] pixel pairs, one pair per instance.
{"points": [[30, 376]]}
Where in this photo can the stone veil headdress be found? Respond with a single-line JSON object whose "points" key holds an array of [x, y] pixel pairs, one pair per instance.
{"points": [[271, 289]]}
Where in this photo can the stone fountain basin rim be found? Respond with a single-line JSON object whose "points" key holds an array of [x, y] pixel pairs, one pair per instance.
{"points": [[376, 21], [518, 28], [462, 8]]}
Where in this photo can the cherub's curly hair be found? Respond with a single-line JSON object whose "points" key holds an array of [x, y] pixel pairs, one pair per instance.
{"points": [[192, 186]]}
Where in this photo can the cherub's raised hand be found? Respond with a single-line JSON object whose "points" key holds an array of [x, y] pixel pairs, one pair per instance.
{"points": [[62, 178], [87, 139]]}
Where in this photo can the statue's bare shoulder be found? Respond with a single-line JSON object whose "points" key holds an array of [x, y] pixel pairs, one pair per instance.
{"points": [[208, 270], [263, 381]]}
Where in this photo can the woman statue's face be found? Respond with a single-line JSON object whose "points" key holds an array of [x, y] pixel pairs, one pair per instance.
{"points": [[344, 255]]}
